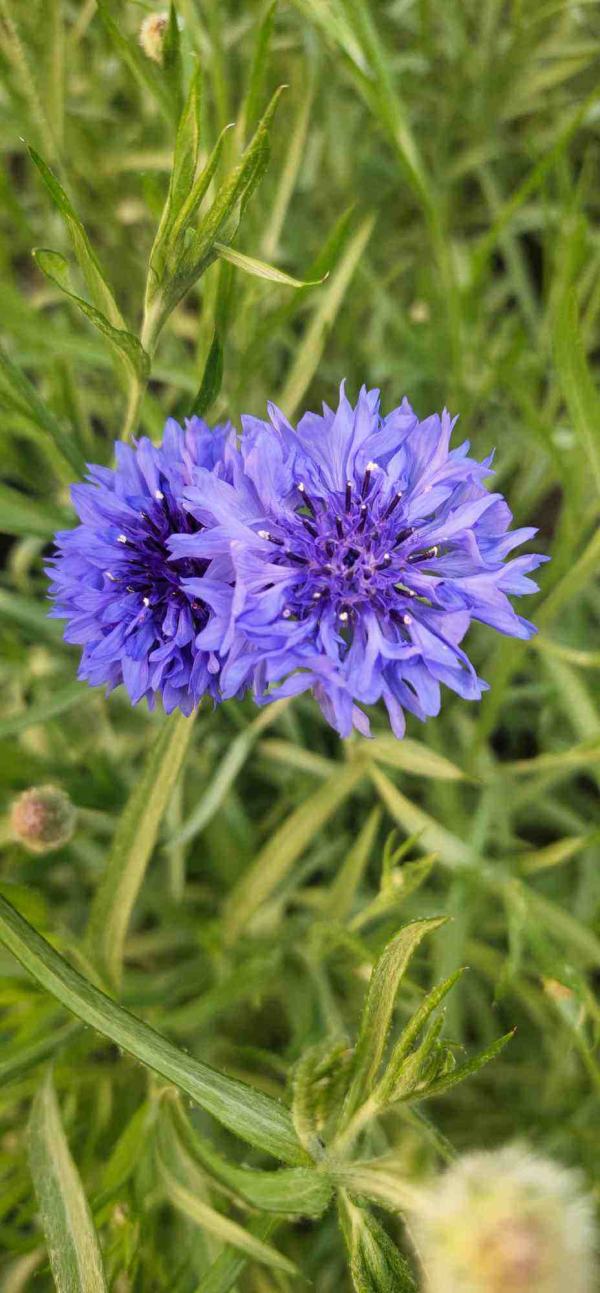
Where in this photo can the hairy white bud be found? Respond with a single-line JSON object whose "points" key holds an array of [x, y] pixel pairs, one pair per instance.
{"points": [[152, 35], [507, 1222]]}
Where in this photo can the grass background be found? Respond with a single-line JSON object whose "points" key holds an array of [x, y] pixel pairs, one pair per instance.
{"points": [[440, 160]]}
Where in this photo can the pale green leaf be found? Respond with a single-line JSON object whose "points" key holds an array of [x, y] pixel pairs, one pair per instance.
{"points": [[451, 850], [134, 841], [414, 757], [212, 379], [375, 1263], [73, 1246], [258, 268], [581, 396]]}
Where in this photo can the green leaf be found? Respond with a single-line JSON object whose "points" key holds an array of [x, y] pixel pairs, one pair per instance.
{"points": [[149, 76], [73, 1246], [464, 1070], [379, 1007], [380, 1180], [388, 1086], [59, 703], [375, 1263], [228, 205], [87, 260], [56, 267], [172, 62], [211, 381], [250, 1114], [285, 846], [259, 269], [298, 1191], [133, 844], [16, 392]]}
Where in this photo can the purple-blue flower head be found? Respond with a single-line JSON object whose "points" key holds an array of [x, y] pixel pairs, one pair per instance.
{"points": [[359, 548], [116, 583]]}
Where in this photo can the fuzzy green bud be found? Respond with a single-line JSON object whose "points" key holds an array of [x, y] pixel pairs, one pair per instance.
{"points": [[506, 1222], [43, 818], [152, 35]]}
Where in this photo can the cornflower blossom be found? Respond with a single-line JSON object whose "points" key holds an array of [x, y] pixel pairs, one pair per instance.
{"points": [[508, 1221], [114, 578], [359, 548]]}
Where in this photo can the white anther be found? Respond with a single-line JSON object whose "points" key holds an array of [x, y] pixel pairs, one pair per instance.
{"points": [[343, 616], [434, 551], [263, 534], [372, 466], [407, 619], [122, 538], [287, 614], [426, 489], [146, 601], [316, 596], [110, 576], [386, 556], [301, 487], [158, 494]]}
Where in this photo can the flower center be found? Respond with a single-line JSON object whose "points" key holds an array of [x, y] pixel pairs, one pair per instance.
{"points": [[352, 553], [146, 568]]}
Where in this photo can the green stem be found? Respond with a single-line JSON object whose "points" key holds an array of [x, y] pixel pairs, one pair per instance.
{"points": [[154, 317]]}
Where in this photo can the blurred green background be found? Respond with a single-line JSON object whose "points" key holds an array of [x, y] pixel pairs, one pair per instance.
{"points": [[440, 162]]}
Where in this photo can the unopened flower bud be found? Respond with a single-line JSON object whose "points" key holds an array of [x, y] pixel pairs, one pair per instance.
{"points": [[43, 818], [507, 1222], [152, 35]]}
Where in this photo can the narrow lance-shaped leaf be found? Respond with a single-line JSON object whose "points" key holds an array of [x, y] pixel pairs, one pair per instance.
{"points": [[185, 160], [73, 1246], [227, 1269], [379, 1006], [259, 269], [57, 269], [133, 844], [89, 264], [409, 1035], [255, 1117]]}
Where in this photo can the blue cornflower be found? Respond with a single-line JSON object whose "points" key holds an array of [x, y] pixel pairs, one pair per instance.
{"points": [[358, 548], [114, 579]]}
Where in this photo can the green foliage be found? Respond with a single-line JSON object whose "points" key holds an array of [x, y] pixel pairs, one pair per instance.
{"points": [[248, 890]]}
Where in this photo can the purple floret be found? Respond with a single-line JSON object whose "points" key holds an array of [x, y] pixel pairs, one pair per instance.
{"points": [[357, 550], [114, 580]]}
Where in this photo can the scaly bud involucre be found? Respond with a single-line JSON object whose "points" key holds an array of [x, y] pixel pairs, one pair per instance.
{"points": [[507, 1222], [152, 35], [43, 818]]}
